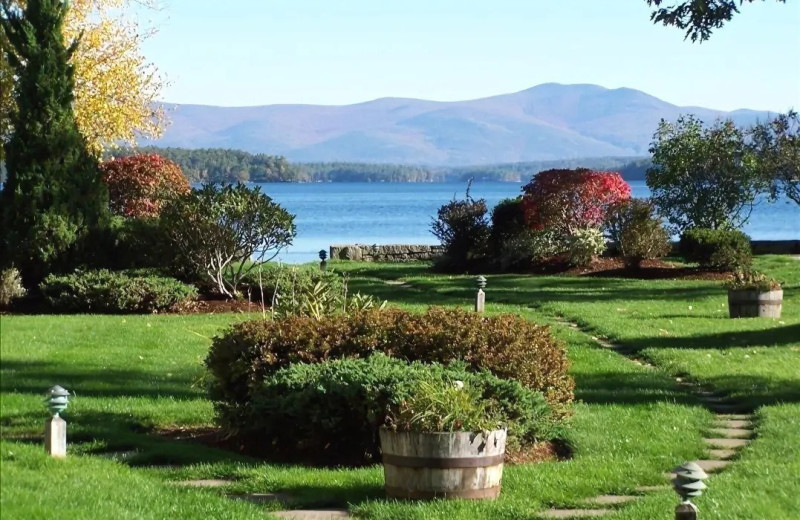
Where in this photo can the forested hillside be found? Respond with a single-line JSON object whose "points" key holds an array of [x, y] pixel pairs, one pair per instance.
{"points": [[221, 165]]}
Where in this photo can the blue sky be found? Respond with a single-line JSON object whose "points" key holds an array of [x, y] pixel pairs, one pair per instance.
{"points": [[258, 52]]}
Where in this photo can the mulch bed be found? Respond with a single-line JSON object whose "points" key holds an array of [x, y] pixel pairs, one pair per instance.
{"points": [[214, 306], [214, 438], [608, 267]]}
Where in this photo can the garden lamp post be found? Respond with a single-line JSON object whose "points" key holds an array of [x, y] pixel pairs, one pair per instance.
{"points": [[480, 300], [688, 484], [55, 428], [323, 265]]}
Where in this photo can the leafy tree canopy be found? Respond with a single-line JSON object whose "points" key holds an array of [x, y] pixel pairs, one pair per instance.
{"points": [[697, 17]]}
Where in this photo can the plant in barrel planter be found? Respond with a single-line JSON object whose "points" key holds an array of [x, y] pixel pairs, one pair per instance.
{"points": [[445, 441], [754, 295]]}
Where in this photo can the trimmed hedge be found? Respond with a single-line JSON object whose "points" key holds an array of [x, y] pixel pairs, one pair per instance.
{"points": [[508, 346], [114, 292], [337, 406], [718, 249]]}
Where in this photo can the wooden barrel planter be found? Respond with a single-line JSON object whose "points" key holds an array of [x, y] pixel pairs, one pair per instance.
{"points": [[755, 304], [443, 465]]}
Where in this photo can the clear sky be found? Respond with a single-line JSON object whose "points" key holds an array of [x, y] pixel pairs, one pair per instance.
{"points": [[259, 52]]}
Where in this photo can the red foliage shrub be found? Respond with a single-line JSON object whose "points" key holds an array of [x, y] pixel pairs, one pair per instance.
{"points": [[567, 200], [138, 185]]}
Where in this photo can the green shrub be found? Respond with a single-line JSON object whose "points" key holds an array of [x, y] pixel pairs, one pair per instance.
{"points": [[637, 234], [508, 222], [530, 248], [717, 249], [11, 286], [462, 228], [508, 346], [106, 291], [337, 406], [585, 245]]}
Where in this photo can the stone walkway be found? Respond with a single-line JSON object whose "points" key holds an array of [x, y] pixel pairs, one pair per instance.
{"points": [[730, 431]]}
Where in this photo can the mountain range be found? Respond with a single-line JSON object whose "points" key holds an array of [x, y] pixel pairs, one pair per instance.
{"points": [[547, 122]]}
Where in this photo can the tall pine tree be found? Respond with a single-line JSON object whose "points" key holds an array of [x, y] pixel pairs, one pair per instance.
{"points": [[53, 196]]}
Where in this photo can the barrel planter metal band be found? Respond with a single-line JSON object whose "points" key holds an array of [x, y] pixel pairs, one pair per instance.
{"points": [[422, 465], [434, 462]]}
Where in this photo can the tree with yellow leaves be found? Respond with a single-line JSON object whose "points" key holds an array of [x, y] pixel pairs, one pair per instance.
{"points": [[116, 88]]}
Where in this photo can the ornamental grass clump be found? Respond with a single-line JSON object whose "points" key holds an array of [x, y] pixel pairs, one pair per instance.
{"points": [[447, 407], [751, 280]]}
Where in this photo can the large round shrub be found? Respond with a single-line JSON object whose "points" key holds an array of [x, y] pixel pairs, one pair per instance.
{"points": [[638, 235], [337, 406], [508, 346], [139, 185], [718, 249]]}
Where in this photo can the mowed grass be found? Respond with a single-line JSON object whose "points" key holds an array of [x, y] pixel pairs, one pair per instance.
{"points": [[136, 375]]}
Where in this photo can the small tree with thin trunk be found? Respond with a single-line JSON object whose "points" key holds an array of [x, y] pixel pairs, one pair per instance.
{"points": [[223, 232]]}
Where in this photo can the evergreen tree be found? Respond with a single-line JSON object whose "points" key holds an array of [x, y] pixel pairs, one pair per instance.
{"points": [[53, 196]]}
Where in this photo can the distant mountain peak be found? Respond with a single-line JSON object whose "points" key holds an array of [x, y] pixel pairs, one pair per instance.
{"points": [[549, 121]]}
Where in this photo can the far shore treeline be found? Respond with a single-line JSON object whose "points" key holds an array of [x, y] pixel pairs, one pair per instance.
{"points": [[224, 165]]}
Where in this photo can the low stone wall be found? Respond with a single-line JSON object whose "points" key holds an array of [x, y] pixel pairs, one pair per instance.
{"points": [[387, 253], [775, 247]]}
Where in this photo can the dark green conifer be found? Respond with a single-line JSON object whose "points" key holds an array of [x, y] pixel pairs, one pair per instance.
{"points": [[53, 196]]}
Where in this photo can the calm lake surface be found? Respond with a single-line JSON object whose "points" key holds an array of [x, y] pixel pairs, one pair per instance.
{"points": [[401, 213]]}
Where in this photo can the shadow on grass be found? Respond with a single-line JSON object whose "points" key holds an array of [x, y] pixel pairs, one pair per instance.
{"points": [[102, 433], [788, 335], [336, 494], [628, 388], [754, 391], [36, 377]]}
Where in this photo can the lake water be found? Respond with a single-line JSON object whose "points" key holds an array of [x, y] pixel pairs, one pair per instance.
{"points": [[401, 213]]}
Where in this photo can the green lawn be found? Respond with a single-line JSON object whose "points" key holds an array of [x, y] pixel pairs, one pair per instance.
{"points": [[134, 375]]}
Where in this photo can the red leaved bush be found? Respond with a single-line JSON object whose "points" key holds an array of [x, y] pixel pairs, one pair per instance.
{"points": [[567, 200], [139, 185]]}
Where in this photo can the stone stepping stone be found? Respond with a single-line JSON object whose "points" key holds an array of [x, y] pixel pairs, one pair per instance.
{"points": [[712, 466], [261, 498], [652, 489], [312, 514], [734, 423], [119, 455], [732, 433], [735, 417], [609, 500], [721, 454], [207, 482], [574, 513], [727, 443]]}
